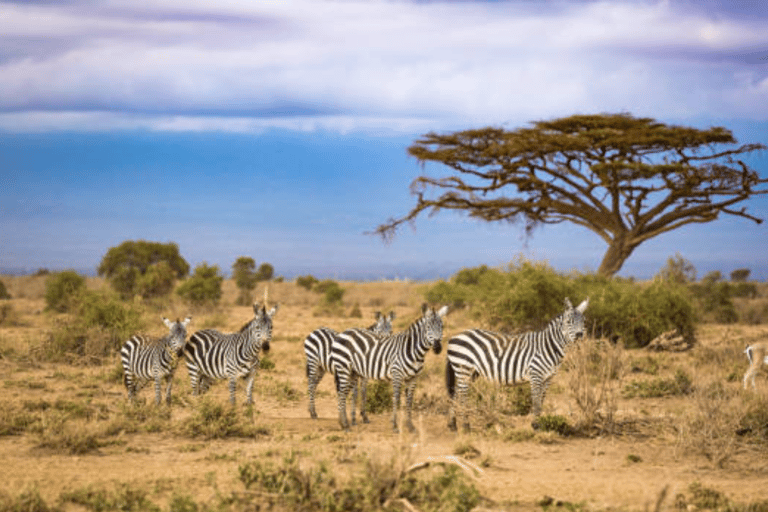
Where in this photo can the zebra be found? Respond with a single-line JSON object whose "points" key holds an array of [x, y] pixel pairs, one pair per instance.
{"points": [[145, 359], [212, 355], [398, 358], [504, 359], [317, 347]]}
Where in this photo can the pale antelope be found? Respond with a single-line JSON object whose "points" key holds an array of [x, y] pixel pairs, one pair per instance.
{"points": [[757, 353]]}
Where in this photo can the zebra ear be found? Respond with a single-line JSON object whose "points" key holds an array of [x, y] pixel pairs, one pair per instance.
{"points": [[442, 311], [186, 321], [424, 308], [273, 310], [391, 315], [377, 315], [167, 322], [583, 306], [568, 304]]}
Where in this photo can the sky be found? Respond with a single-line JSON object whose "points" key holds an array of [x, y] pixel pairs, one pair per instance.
{"points": [[279, 129]]}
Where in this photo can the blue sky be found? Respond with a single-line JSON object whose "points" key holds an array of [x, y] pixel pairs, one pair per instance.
{"points": [[278, 129]]}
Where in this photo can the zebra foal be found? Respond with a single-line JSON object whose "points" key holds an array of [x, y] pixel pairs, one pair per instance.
{"points": [[398, 358], [212, 355], [317, 347], [503, 359], [146, 359]]}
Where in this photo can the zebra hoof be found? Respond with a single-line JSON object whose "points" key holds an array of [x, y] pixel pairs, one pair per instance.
{"points": [[366, 420]]}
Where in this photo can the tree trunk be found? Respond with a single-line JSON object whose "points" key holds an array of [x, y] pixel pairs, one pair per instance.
{"points": [[615, 256]]}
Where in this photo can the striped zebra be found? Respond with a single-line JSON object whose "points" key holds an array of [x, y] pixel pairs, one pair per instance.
{"points": [[146, 359], [398, 358], [532, 356], [317, 347], [212, 355]]}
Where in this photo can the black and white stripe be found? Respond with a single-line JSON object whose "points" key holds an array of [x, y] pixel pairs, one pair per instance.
{"points": [[212, 355], [398, 358], [317, 347], [146, 359], [503, 359]]}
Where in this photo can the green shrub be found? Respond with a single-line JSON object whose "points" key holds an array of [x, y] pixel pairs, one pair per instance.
{"points": [[204, 287], [3, 291], [307, 281], [378, 397], [528, 295], [554, 423], [331, 291], [62, 290], [216, 421], [143, 268], [100, 325]]}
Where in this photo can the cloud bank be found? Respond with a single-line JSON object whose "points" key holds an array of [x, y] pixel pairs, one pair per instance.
{"points": [[243, 66]]}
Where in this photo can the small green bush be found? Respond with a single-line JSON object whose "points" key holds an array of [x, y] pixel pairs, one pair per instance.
{"points": [[3, 291], [100, 325], [378, 397], [204, 287], [554, 423], [62, 290], [307, 281]]}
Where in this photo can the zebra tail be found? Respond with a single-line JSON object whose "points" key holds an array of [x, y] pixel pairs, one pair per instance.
{"points": [[748, 351], [450, 379]]}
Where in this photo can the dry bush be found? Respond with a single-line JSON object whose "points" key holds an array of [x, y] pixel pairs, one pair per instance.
{"points": [[595, 372], [708, 428]]}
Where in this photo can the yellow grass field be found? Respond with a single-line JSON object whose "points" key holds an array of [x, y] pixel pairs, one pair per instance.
{"points": [[69, 439]]}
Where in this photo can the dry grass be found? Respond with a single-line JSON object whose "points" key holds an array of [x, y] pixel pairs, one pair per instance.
{"points": [[69, 436]]}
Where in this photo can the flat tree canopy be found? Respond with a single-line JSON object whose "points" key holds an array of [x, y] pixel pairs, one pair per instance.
{"points": [[625, 178]]}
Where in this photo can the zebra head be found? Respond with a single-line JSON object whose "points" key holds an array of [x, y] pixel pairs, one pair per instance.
{"points": [[433, 321], [573, 320], [178, 334], [261, 325], [383, 325]]}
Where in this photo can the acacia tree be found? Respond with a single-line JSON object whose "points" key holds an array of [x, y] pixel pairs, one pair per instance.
{"points": [[627, 179]]}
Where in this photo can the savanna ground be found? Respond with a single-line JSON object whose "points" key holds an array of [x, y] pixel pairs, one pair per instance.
{"points": [[666, 430]]}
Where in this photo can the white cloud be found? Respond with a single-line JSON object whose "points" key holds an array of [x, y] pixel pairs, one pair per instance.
{"points": [[381, 66]]}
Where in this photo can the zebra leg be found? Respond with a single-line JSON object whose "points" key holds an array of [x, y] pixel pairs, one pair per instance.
{"points": [[537, 397], [341, 377], [355, 383], [313, 379], [249, 387], [169, 379], [410, 388], [232, 388], [396, 384], [363, 384], [158, 389]]}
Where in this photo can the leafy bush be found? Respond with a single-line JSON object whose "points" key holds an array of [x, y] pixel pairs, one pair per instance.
{"points": [[143, 268], [528, 295], [307, 281], [204, 287], [216, 421], [100, 325], [245, 278], [3, 291], [62, 289], [265, 272], [378, 397]]}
